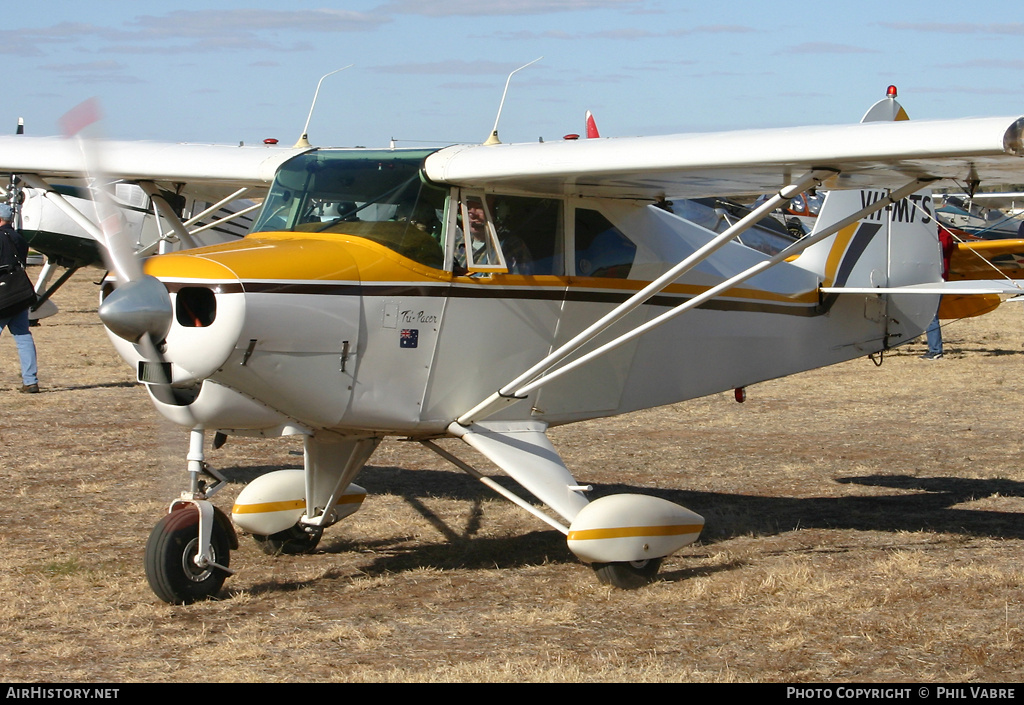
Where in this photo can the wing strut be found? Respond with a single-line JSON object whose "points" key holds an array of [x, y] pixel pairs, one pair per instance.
{"points": [[164, 209], [507, 494], [69, 210], [226, 219], [215, 207], [507, 394], [150, 249], [544, 371]]}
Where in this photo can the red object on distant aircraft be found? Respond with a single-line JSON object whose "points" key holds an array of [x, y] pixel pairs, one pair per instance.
{"points": [[890, 92], [591, 126]]}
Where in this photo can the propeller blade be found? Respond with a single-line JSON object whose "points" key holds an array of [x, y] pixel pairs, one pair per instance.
{"points": [[118, 251], [139, 309]]}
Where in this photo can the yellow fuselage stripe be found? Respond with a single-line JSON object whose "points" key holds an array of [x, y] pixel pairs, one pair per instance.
{"points": [[632, 531], [288, 505], [835, 254], [261, 257]]}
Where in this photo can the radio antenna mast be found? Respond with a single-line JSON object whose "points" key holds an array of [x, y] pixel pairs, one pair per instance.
{"points": [[493, 139], [304, 139]]}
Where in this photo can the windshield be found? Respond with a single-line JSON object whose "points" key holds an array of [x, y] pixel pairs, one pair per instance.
{"points": [[378, 195]]}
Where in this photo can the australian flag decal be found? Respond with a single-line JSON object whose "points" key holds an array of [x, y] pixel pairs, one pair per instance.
{"points": [[410, 338]]}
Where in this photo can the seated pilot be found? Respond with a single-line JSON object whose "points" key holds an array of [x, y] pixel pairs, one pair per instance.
{"points": [[516, 254]]}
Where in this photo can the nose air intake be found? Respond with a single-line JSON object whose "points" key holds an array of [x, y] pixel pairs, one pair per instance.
{"points": [[138, 308]]}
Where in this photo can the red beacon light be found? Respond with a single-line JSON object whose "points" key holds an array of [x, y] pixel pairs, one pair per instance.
{"points": [[571, 137], [890, 92], [270, 140]]}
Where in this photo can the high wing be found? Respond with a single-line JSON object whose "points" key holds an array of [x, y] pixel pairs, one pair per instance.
{"points": [[865, 155], [209, 170], [179, 181]]}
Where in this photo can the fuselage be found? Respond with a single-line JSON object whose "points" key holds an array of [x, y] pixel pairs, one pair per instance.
{"points": [[357, 304]]}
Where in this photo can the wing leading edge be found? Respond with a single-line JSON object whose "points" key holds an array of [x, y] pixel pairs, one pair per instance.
{"points": [[195, 164], [865, 155]]}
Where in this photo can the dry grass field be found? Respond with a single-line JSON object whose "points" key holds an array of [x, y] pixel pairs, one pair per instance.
{"points": [[863, 524]]}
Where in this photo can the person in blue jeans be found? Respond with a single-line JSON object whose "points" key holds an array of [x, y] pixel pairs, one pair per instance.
{"points": [[934, 336], [15, 251], [934, 332]]}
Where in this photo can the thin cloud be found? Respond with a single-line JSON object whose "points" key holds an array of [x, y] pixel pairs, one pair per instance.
{"points": [[627, 33], [204, 23], [97, 79], [454, 67], [65, 31], [87, 67], [92, 73], [1010, 28], [1009, 64], [966, 90], [451, 8], [826, 48], [19, 46], [208, 31]]}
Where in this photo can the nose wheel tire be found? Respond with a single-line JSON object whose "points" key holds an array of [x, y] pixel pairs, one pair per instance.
{"points": [[170, 569], [628, 575]]}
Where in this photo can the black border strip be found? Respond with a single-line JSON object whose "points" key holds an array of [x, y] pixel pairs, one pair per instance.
{"points": [[441, 290]]}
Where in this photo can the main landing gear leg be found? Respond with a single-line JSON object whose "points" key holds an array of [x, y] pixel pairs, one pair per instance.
{"points": [[189, 550], [624, 537]]}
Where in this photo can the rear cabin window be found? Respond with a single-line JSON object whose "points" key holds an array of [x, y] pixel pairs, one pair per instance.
{"points": [[534, 227], [601, 248], [380, 196]]}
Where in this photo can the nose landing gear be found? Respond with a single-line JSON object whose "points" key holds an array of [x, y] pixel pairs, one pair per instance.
{"points": [[176, 569]]}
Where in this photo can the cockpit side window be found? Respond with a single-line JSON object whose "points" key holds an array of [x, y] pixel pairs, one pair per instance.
{"points": [[475, 241], [524, 235], [602, 250]]}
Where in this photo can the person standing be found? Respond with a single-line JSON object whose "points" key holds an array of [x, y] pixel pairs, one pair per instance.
{"points": [[13, 253], [934, 332]]}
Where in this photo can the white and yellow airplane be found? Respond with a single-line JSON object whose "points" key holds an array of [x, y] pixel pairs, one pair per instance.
{"points": [[490, 292]]}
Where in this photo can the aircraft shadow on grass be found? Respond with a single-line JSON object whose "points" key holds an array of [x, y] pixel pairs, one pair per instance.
{"points": [[931, 507]]}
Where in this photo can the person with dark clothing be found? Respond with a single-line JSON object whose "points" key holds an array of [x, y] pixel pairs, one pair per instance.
{"points": [[13, 253], [934, 332]]}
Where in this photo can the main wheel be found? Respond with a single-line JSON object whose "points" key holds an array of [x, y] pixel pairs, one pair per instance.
{"points": [[291, 541], [172, 546], [628, 575]]}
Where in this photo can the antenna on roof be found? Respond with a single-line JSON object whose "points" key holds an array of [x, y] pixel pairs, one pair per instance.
{"points": [[304, 139], [493, 139]]}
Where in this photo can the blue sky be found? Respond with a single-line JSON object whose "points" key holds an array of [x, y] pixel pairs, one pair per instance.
{"points": [[430, 71]]}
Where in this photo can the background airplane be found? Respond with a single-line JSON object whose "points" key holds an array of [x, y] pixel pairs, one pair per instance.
{"points": [[967, 215], [66, 244], [56, 217]]}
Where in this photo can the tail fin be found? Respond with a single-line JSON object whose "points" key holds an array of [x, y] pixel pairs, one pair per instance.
{"points": [[591, 126], [886, 110], [897, 246]]}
